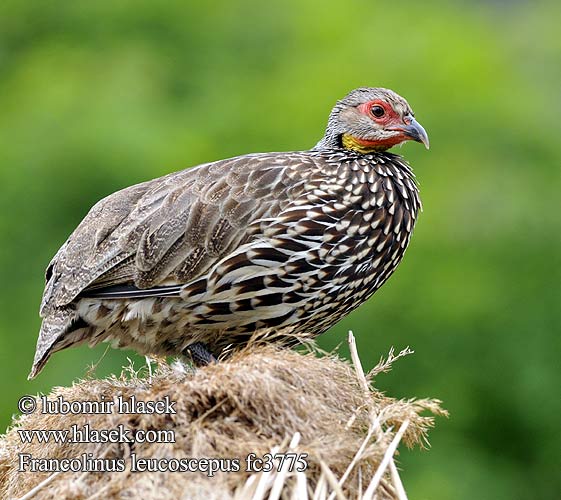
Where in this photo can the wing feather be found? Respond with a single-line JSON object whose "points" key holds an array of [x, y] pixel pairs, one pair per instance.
{"points": [[170, 230]]}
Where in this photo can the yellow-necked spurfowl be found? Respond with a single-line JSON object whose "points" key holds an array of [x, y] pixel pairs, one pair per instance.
{"points": [[199, 260]]}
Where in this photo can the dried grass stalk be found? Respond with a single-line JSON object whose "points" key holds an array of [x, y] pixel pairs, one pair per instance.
{"points": [[263, 399]]}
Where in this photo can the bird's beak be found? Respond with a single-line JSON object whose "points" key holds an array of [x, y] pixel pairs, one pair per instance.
{"points": [[415, 131]]}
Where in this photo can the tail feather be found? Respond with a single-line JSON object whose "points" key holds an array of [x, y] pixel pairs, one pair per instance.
{"points": [[53, 328]]}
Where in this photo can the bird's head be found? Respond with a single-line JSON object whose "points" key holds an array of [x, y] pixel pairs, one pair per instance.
{"points": [[371, 119]]}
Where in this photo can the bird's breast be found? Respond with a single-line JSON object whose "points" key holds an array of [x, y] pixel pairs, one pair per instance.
{"points": [[360, 214]]}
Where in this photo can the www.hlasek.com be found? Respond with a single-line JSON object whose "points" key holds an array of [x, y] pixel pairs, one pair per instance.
{"points": [[85, 433]]}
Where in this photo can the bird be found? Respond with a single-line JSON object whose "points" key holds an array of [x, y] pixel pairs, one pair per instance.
{"points": [[199, 260]]}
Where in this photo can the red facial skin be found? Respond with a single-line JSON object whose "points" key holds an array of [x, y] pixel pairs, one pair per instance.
{"points": [[390, 120]]}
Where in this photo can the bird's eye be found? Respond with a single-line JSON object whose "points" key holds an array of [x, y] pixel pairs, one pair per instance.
{"points": [[377, 111]]}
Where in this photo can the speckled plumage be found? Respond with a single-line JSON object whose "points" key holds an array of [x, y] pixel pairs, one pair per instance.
{"points": [[290, 241]]}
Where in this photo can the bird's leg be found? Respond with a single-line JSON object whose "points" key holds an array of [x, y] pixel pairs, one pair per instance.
{"points": [[200, 354]]}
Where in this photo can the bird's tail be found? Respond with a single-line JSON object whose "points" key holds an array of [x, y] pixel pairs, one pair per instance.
{"points": [[53, 328]]}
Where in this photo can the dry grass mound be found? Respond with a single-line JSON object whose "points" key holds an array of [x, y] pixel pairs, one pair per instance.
{"points": [[263, 400]]}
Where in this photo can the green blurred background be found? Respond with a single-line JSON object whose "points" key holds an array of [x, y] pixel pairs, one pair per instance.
{"points": [[98, 95]]}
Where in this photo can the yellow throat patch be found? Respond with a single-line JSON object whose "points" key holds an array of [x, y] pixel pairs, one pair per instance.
{"points": [[360, 146]]}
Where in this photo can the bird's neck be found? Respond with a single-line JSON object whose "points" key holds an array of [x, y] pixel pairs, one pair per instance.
{"points": [[361, 145], [328, 142], [351, 143]]}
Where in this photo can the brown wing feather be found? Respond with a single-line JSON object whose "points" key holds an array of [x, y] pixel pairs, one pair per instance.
{"points": [[172, 229]]}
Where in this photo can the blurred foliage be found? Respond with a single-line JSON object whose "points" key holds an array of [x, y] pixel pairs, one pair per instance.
{"points": [[95, 96]]}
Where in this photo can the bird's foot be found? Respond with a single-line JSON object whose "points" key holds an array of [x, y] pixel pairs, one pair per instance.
{"points": [[200, 354]]}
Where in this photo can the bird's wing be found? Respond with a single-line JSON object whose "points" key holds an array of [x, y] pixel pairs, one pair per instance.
{"points": [[155, 236]]}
